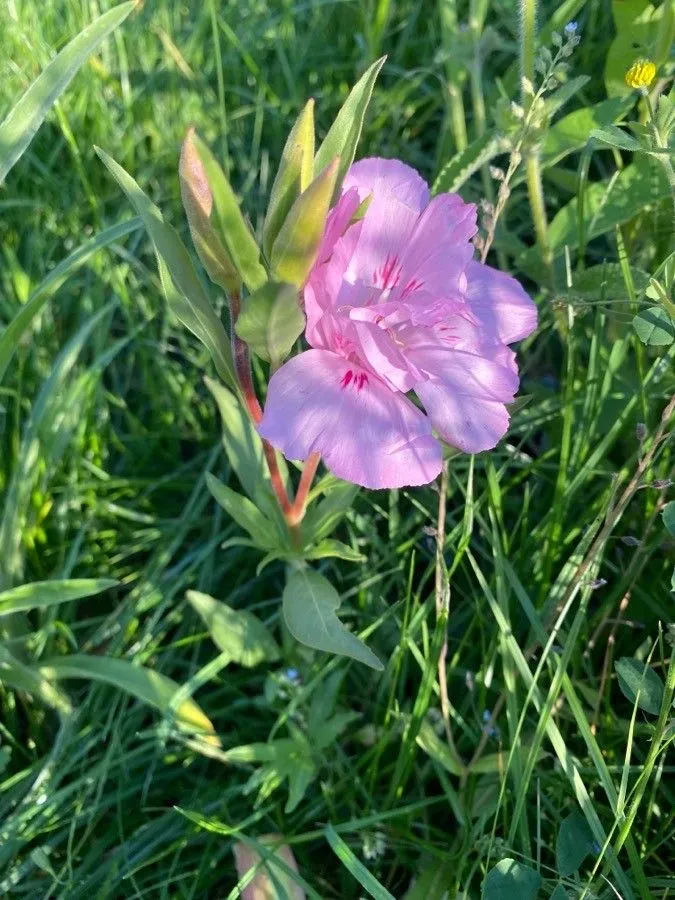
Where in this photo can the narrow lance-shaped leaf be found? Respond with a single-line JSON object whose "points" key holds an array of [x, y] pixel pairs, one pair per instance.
{"points": [[236, 632], [309, 606], [198, 203], [226, 216], [272, 321], [297, 244], [182, 286], [295, 173], [24, 119], [343, 135], [145, 684], [41, 594]]}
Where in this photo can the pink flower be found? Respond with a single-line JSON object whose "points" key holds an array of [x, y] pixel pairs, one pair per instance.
{"points": [[396, 303]]}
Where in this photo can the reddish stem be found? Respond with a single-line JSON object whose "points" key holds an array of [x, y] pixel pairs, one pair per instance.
{"points": [[297, 511], [242, 367]]}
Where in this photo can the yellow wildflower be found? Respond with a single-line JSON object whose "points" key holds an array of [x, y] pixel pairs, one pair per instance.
{"points": [[641, 73]]}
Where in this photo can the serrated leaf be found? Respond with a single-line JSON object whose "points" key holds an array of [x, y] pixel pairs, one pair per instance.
{"points": [[640, 684], [511, 880], [145, 684], [668, 514], [654, 327], [461, 167], [343, 135], [272, 321], [232, 228], [183, 289], [297, 243], [198, 204], [42, 594], [268, 875], [236, 632], [294, 175], [309, 605], [574, 843], [616, 137], [19, 127], [244, 513]]}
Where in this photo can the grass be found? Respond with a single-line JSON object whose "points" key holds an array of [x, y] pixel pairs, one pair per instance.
{"points": [[557, 558]]}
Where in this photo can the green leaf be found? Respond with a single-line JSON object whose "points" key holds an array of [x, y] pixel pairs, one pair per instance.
{"points": [[289, 758], [560, 893], [616, 137], [654, 327], [145, 684], [324, 516], [272, 321], [511, 880], [232, 228], [438, 750], [574, 843], [298, 241], [462, 166], [41, 594], [244, 513], [182, 286], [668, 514], [309, 605], [607, 280], [244, 450], [637, 25], [332, 548], [353, 865], [571, 133], [198, 204], [13, 333], [640, 684], [235, 631], [294, 175], [343, 135], [564, 93], [606, 205], [20, 677], [434, 883], [24, 119]]}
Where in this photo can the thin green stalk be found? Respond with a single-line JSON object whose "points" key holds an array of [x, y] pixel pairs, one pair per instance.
{"points": [[528, 44]]}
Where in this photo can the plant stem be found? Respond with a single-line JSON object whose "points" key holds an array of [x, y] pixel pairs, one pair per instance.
{"points": [[242, 367], [297, 511], [528, 43]]}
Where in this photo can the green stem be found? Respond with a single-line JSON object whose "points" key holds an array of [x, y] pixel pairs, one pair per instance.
{"points": [[536, 195], [528, 37], [457, 117]]}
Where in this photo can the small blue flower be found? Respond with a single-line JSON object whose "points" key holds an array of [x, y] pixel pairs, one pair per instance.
{"points": [[571, 28], [292, 674]]}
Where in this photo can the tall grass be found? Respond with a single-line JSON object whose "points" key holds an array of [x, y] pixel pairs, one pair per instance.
{"points": [[552, 562]]}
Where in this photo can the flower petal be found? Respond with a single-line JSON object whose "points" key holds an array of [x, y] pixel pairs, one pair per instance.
{"points": [[320, 402], [492, 377], [505, 311], [465, 422], [384, 178], [438, 249]]}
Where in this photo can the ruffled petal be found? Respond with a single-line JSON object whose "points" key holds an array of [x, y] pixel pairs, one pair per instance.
{"points": [[384, 178], [504, 310], [465, 422], [367, 434], [438, 248]]}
